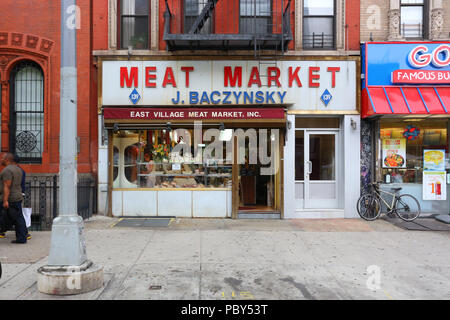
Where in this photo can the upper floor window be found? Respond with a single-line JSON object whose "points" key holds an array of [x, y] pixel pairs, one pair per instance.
{"points": [[413, 18], [27, 112], [319, 24], [192, 10], [255, 16], [134, 24]]}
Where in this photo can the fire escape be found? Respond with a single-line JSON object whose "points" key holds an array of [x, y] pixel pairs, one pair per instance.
{"points": [[256, 25]]}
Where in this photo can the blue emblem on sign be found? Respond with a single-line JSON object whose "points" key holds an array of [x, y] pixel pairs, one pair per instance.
{"points": [[326, 97], [135, 96]]}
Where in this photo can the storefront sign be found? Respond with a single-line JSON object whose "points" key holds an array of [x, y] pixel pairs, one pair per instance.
{"points": [[193, 113], [421, 77], [407, 63], [306, 85], [433, 160], [434, 185], [394, 153]]}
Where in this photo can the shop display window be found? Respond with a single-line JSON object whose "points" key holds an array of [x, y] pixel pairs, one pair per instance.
{"points": [[161, 158], [402, 144]]}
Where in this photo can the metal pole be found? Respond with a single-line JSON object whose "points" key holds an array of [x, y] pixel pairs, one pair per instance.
{"points": [[67, 243], [68, 270]]}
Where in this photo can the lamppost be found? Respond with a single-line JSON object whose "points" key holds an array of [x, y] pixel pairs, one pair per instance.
{"points": [[68, 270]]}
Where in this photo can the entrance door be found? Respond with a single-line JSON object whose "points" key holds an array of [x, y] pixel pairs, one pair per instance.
{"points": [[320, 170]]}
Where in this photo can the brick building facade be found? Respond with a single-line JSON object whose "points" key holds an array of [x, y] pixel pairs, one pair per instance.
{"points": [[395, 34], [381, 20], [292, 35], [30, 85]]}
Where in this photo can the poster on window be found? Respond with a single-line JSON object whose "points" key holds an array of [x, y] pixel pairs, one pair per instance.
{"points": [[434, 185], [394, 153], [433, 160]]}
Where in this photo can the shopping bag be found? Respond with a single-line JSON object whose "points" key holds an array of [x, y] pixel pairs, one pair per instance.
{"points": [[27, 216]]}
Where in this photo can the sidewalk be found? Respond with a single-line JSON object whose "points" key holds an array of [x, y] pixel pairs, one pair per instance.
{"points": [[246, 259]]}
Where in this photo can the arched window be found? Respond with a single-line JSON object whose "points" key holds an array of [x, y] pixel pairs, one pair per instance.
{"points": [[26, 132]]}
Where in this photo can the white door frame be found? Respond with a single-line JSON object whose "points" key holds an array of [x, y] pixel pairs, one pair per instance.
{"points": [[308, 202]]}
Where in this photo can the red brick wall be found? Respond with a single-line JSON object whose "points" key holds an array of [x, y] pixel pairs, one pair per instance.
{"points": [[100, 24], [226, 18], [352, 12], [24, 21]]}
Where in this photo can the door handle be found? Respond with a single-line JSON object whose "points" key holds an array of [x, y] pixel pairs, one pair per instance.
{"points": [[309, 165]]}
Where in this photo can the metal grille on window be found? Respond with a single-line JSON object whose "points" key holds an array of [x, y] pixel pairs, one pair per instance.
{"points": [[319, 24], [192, 9], [27, 112], [412, 18]]}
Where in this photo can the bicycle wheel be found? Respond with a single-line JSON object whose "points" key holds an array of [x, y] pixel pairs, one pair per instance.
{"points": [[407, 207], [369, 207]]}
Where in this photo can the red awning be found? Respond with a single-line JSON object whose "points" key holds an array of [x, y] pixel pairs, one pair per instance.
{"points": [[405, 100]]}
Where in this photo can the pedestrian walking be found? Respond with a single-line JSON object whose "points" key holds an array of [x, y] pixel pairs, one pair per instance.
{"points": [[11, 197], [22, 183]]}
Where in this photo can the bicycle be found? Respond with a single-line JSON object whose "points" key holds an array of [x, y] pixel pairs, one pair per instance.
{"points": [[405, 206]]}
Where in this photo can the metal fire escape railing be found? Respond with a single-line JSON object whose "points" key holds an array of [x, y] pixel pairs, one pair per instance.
{"points": [[203, 17], [233, 29]]}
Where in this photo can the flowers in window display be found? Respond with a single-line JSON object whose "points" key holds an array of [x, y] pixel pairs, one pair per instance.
{"points": [[411, 132], [160, 152]]}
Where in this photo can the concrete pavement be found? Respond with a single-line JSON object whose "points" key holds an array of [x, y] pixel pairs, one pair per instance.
{"points": [[247, 259]]}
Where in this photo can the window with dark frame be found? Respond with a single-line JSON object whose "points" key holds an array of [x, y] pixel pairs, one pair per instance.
{"points": [[255, 17], [413, 18], [27, 112], [192, 9], [319, 20], [134, 24]]}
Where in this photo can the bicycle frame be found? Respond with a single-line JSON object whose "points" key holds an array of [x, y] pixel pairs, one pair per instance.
{"points": [[394, 198]]}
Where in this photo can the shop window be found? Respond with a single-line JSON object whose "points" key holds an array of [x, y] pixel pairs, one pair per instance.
{"points": [[192, 9], [161, 158], [255, 16], [404, 163], [413, 18], [319, 20], [134, 24], [116, 163], [27, 112]]}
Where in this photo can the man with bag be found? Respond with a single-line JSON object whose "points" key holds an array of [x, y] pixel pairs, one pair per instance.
{"points": [[11, 198], [22, 185]]}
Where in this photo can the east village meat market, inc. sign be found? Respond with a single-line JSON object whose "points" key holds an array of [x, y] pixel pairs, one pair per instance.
{"points": [[302, 84]]}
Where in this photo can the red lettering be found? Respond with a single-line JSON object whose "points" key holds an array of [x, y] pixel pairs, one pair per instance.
{"points": [[275, 78], [149, 77], [313, 76], [169, 78], [128, 79], [232, 79], [294, 76], [187, 70], [254, 78], [333, 71]]}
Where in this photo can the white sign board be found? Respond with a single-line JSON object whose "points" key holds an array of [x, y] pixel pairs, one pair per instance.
{"points": [[301, 85], [434, 185]]}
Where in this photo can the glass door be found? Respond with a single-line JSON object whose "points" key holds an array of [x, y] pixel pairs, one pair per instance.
{"points": [[320, 170]]}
